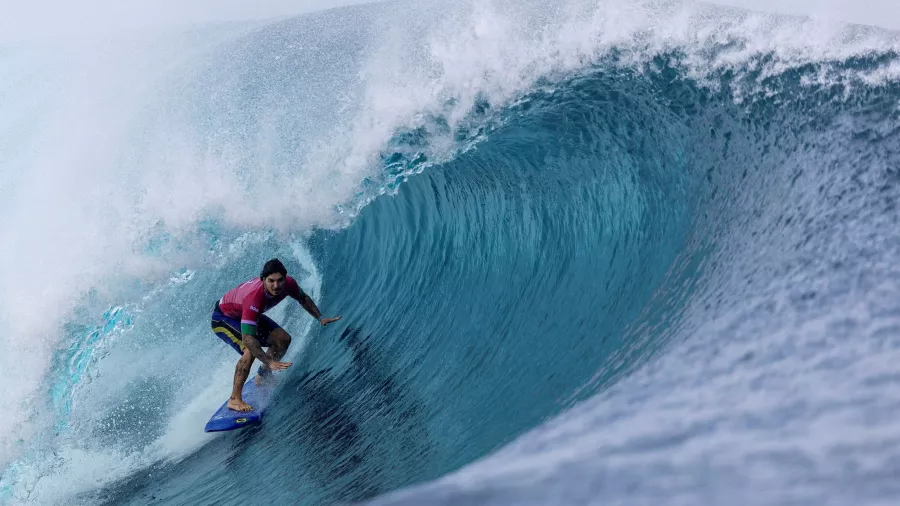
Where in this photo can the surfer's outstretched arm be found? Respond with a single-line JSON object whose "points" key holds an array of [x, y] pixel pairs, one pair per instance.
{"points": [[311, 308]]}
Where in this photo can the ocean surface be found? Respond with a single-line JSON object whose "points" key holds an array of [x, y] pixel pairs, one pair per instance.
{"points": [[585, 253]]}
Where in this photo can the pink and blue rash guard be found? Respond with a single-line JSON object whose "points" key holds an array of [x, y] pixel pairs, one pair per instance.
{"points": [[250, 299]]}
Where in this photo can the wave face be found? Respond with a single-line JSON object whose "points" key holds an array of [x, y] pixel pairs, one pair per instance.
{"points": [[607, 254]]}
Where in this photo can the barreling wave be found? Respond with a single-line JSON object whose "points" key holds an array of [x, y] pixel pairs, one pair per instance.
{"points": [[588, 261]]}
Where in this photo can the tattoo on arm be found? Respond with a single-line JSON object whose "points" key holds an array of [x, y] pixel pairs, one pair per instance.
{"points": [[310, 306], [253, 345]]}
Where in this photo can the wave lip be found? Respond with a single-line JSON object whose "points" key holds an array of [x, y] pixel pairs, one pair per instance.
{"points": [[487, 293]]}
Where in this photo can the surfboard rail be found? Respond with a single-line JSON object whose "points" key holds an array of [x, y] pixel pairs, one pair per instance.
{"points": [[256, 396]]}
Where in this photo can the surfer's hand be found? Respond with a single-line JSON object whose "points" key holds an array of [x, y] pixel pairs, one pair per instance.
{"points": [[278, 366], [325, 321]]}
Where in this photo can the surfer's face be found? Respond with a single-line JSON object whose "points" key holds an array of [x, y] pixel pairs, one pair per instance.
{"points": [[274, 283]]}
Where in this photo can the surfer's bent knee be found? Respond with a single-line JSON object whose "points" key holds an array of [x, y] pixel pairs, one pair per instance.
{"points": [[282, 336]]}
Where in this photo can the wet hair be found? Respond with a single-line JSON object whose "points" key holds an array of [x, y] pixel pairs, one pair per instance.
{"points": [[272, 266]]}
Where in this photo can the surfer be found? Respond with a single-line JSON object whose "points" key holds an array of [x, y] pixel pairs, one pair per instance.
{"points": [[242, 308]]}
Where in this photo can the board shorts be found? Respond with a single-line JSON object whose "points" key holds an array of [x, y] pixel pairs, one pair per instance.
{"points": [[227, 328]]}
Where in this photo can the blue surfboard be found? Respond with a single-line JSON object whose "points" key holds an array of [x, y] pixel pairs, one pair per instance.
{"points": [[228, 419]]}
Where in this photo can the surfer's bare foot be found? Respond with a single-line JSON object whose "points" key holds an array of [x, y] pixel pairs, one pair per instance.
{"points": [[238, 405]]}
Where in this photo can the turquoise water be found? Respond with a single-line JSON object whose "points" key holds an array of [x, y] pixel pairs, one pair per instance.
{"points": [[640, 276]]}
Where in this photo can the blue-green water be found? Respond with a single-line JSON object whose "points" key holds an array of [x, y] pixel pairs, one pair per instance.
{"points": [[654, 272]]}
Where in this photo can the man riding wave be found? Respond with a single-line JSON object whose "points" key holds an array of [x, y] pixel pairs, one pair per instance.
{"points": [[242, 308]]}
